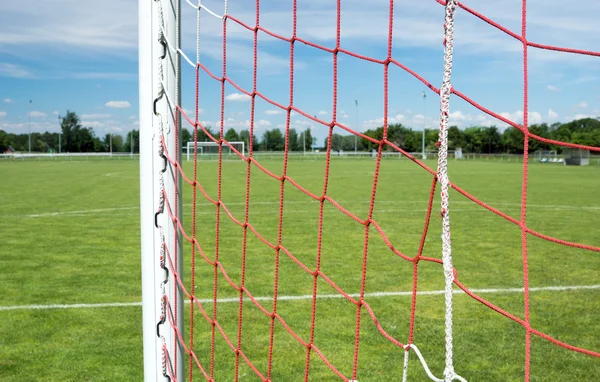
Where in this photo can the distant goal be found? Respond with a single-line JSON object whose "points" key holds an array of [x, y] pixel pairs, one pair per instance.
{"points": [[231, 150]]}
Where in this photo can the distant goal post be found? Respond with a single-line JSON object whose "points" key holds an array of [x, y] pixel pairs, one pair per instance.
{"points": [[210, 147]]}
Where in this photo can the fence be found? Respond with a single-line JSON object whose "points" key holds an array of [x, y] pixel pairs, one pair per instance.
{"points": [[278, 155], [70, 157]]}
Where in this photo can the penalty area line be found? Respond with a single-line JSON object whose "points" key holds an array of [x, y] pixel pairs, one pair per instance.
{"points": [[309, 297]]}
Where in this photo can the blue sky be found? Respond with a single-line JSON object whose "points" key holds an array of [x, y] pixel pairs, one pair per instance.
{"points": [[82, 56]]}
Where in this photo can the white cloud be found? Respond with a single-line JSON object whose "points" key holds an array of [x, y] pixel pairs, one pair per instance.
{"points": [[12, 70], [95, 116], [377, 122], [264, 122], [273, 112], [55, 113], [534, 117], [553, 88], [118, 104], [3, 114], [8, 100], [237, 97], [113, 25], [105, 76], [322, 112], [191, 113], [94, 124], [581, 105], [38, 114]]}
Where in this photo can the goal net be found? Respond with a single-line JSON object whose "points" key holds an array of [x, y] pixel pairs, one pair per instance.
{"points": [[274, 269], [233, 149]]}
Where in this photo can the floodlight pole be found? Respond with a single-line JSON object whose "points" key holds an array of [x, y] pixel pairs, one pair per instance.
{"points": [[60, 119], [356, 136], [304, 142], [312, 139], [29, 124], [423, 137]]}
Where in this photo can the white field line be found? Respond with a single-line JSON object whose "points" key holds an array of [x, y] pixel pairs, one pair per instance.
{"points": [[388, 202], [309, 297], [80, 212]]}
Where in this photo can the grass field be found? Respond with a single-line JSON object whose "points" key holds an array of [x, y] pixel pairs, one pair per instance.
{"points": [[69, 234]]}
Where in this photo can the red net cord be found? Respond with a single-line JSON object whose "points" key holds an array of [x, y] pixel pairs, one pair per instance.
{"points": [[279, 248]]}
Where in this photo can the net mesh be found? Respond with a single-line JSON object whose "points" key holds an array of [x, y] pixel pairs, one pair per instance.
{"points": [[235, 339]]}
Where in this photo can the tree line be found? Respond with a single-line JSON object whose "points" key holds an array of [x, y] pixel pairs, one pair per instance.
{"points": [[477, 139], [75, 137], [271, 140]]}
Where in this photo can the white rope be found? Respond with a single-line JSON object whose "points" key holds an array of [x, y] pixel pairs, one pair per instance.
{"points": [[176, 50], [171, 104], [198, 32], [200, 6], [405, 368], [426, 368], [186, 58], [445, 92]]}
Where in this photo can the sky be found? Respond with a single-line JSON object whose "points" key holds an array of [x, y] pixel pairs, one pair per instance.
{"points": [[82, 56]]}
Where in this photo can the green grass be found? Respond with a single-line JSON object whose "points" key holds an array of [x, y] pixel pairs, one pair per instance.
{"points": [[70, 234]]}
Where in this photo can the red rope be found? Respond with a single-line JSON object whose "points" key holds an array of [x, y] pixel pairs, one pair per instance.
{"points": [[279, 248], [194, 199], [523, 223]]}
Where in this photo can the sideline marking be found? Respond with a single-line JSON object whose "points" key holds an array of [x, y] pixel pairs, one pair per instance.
{"points": [[309, 297], [478, 208]]}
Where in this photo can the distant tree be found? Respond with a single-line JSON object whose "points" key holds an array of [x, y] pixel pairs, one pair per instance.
{"points": [[336, 142], [493, 140], [273, 140], [348, 142], [70, 126], [202, 137], [117, 142], [293, 140], [84, 138], [455, 138], [99, 145], [245, 137], [136, 142], [305, 140], [376, 134], [4, 141], [231, 135], [186, 136]]}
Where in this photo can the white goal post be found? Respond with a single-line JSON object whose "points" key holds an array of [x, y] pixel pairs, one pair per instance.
{"points": [[160, 186], [210, 147]]}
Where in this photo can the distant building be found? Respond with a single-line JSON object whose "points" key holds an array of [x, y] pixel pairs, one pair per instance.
{"points": [[9, 150]]}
